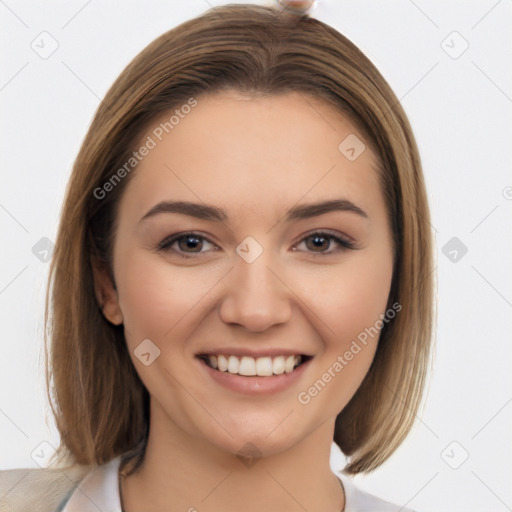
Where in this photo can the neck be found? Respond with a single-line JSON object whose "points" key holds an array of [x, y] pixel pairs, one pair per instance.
{"points": [[185, 474]]}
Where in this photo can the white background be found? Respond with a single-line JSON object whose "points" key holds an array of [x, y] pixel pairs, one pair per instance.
{"points": [[460, 109]]}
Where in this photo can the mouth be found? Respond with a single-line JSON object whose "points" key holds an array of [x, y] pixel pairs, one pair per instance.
{"points": [[247, 366]]}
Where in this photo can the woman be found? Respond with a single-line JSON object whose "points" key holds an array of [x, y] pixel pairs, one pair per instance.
{"points": [[242, 275]]}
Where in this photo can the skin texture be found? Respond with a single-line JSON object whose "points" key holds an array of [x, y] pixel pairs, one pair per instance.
{"points": [[256, 158]]}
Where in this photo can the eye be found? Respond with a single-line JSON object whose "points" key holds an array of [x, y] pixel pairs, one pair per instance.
{"points": [[187, 243], [321, 240]]}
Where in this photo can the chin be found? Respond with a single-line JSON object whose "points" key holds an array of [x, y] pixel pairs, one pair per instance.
{"points": [[254, 436]]}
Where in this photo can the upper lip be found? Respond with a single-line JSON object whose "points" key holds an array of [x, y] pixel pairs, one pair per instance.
{"points": [[240, 352]]}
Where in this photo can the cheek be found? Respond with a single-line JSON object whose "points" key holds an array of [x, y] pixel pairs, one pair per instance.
{"points": [[158, 299], [349, 304], [163, 304], [348, 298]]}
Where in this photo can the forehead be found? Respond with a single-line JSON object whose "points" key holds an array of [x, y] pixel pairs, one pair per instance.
{"points": [[253, 153]]}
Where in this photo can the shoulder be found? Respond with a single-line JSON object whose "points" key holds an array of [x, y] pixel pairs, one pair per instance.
{"points": [[361, 501], [37, 489]]}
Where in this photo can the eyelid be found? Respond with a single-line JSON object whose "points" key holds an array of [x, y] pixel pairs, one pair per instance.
{"points": [[345, 243], [344, 239], [165, 245]]}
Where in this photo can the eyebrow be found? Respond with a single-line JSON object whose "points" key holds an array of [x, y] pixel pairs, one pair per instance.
{"points": [[213, 213]]}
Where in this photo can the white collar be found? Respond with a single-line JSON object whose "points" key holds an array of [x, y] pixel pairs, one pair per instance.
{"points": [[98, 490]]}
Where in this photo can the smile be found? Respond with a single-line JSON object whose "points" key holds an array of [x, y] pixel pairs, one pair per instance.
{"points": [[248, 366]]}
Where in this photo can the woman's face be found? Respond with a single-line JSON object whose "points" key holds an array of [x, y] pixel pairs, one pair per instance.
{"points": [[265, 282]]}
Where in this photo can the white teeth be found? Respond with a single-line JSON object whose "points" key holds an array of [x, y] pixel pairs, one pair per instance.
{"points": [[222, 362], [249, 366], [233, 364], [278, 364], [289, 364], [264, 366]]}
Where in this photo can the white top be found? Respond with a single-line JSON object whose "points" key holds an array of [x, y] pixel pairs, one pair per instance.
{"points": [[99, 490]]}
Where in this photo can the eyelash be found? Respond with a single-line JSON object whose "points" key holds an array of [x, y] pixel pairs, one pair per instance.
{"points": [[345, 245]]}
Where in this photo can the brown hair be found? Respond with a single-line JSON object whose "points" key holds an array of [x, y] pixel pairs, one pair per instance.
{"points": [[100, 404]]}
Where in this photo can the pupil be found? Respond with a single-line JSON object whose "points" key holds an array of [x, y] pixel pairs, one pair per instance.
{"points": [[318, 241], [191, 242]]}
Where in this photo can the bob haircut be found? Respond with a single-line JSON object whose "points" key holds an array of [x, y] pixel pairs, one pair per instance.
{"points": [[100, 405]]}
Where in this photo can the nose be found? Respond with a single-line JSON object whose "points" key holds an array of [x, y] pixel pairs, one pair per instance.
{"points": [[256, 296]]}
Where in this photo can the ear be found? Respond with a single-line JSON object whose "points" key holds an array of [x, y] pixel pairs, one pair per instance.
{"points": [[106, 294]]}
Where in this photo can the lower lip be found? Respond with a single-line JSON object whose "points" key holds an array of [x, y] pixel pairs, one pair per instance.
{"points": [[255, 385]]}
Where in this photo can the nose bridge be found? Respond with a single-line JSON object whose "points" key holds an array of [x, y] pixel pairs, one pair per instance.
{"points": [[255, 276], [255, 297]]}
